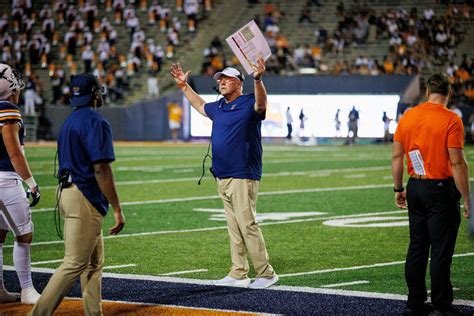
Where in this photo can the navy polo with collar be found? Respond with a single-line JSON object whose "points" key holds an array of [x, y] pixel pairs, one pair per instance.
{"points": [[236, 138], [85, 139]]}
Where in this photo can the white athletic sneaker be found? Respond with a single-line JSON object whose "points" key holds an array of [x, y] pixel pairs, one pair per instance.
{"points": [[262, 283], [29, 296], [229, 281], [6, 297]]}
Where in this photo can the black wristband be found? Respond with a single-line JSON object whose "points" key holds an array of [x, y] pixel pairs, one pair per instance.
{"points": [[257, 79], [398, 190]]}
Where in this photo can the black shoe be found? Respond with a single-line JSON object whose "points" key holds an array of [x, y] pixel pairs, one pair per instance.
{"points": [[418, 310], [449, 310]]}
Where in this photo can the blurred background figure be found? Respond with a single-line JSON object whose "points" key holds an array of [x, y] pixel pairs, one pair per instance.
{"points": [[337, 121], [153, 87], [175, 114], [289, 122], [302, 118], [386, 128], [353, 126]]}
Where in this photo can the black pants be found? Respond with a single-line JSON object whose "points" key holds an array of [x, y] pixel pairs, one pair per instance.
{"points": [[290, 129], [434, 216]]}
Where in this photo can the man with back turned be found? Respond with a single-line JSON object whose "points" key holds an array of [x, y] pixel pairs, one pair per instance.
{"points": [[432, 139]]}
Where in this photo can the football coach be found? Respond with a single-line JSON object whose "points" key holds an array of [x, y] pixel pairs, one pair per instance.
{"points": [[432, 139], [237, 166], [87, 186]]}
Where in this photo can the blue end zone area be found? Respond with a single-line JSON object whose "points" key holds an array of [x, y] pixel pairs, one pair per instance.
{"points": [[227, 298]]}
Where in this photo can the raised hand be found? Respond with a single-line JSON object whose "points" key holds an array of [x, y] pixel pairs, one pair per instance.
{"points": [[179, 75], [258, 68]]}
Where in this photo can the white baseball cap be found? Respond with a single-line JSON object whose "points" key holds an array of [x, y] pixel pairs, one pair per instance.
{"points": [[229, 72]]}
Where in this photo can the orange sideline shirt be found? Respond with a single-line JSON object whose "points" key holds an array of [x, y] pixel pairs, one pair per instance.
{"points": [[175, 113], [432, 129]]}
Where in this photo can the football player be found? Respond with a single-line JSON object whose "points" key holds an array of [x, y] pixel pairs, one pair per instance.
{"points": [[14, 205]]}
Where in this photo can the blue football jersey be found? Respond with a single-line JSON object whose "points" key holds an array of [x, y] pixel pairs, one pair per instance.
{"points": [[9, 113]]}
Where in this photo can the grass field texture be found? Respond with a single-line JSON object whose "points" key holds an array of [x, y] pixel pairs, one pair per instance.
{"points": [[326, 212]]}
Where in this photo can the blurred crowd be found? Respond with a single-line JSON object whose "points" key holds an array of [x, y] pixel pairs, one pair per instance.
{"points": [[414, 40], [68, 38]]}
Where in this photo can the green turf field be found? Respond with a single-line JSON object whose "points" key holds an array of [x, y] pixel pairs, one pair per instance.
{"points": [[174, 225]]}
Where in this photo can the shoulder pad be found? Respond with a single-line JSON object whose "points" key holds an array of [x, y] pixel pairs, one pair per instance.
{"points": [[9, 112]]}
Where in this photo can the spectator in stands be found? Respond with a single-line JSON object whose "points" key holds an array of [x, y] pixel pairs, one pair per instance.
{"points": [[90, 12], [88, 58], [132, 23], [313, 2], [191, 9], [48, 26], [321, 35], [153, 88], [56, 84], [154, 12], [31, 96], [60, 7], [118, 6], [3, 25], [305, 16]]}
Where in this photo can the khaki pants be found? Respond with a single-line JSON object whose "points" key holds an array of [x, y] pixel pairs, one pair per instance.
{"points": [[240, 200], [84, 256]]}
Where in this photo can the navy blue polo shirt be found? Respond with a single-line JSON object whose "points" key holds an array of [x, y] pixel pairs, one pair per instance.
{"points": [[236, 138], [86, 138]]}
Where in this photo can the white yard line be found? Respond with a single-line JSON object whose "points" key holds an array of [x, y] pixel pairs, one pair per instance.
{"points": [[345, 284], [120, 266], [312, 173], [355, 176], [212, 197], [164, 232], [184, 272], [46, 262], [292, 159], [376, 265]]}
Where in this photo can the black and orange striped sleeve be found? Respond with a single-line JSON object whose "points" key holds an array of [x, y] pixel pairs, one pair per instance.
{"points": [[9, 113]]}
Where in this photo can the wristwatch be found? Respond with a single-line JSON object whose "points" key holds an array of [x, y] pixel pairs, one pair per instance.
{"points": [[398, 190]]}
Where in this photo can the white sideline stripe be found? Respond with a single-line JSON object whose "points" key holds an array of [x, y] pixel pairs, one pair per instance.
{"points": [[212, 197], [48, 261], [345, 284], [184, 272], [326, 172], [120, 266], [376, 265], [301, 289], [162, 232]]}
